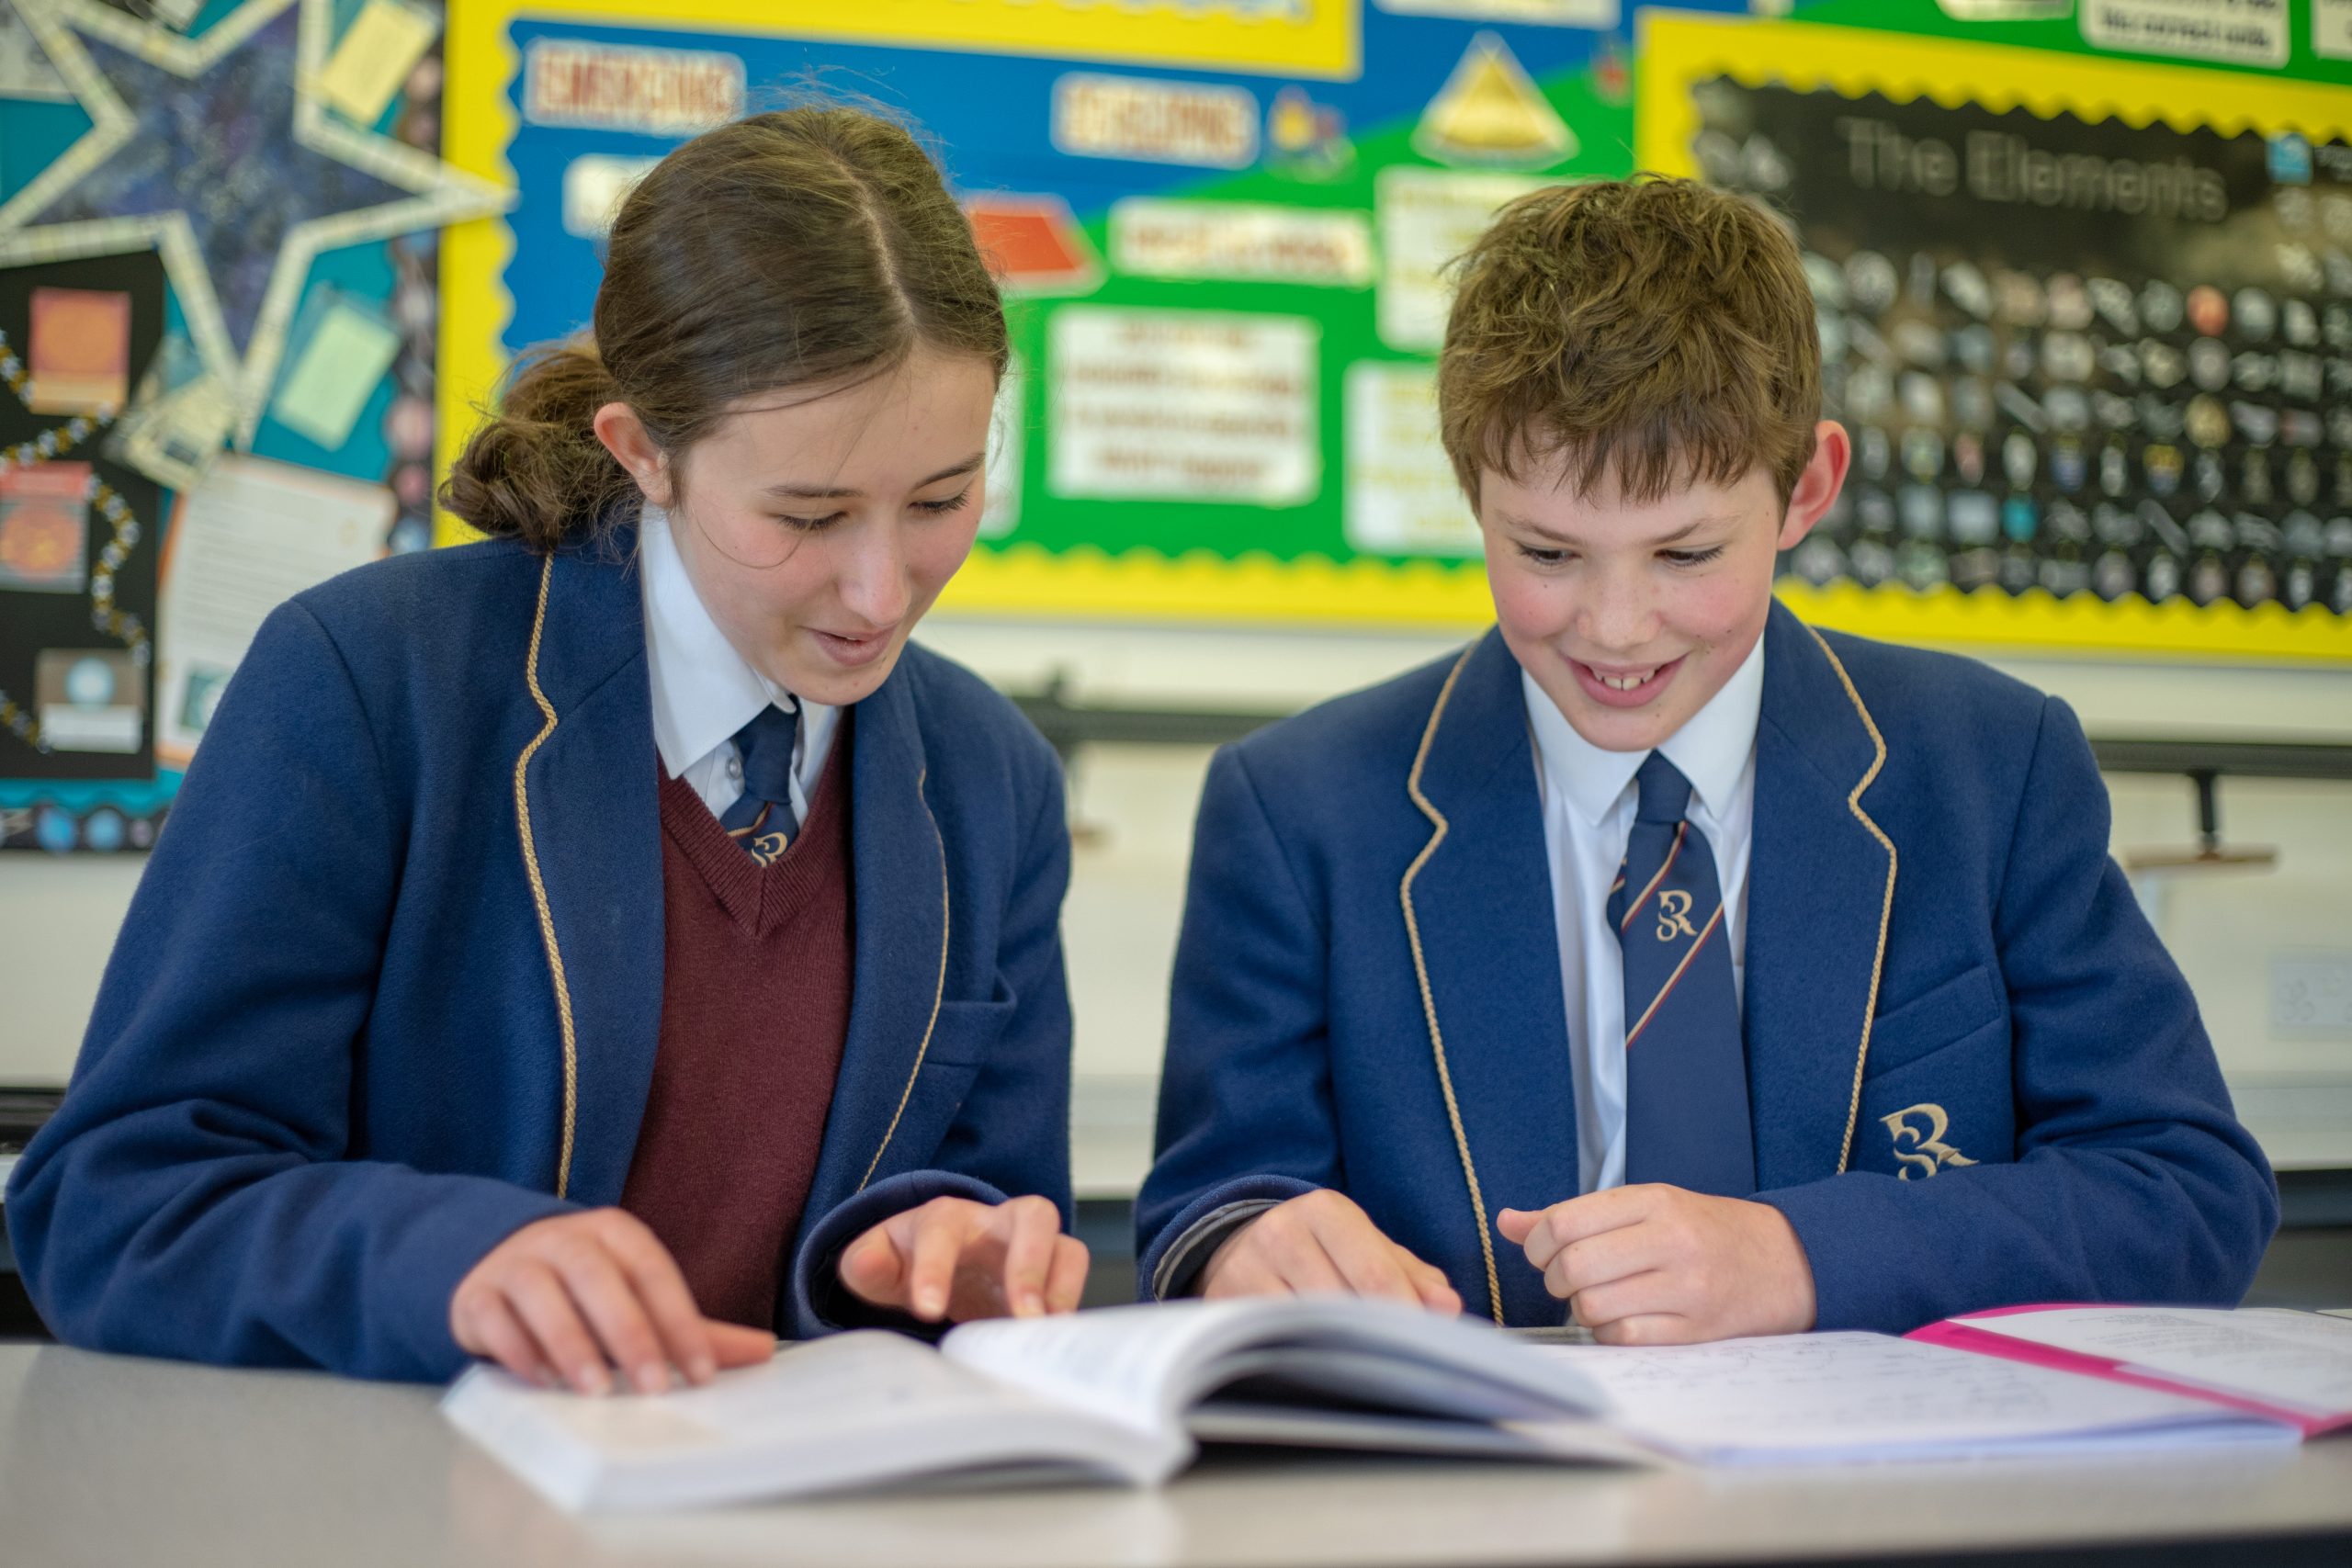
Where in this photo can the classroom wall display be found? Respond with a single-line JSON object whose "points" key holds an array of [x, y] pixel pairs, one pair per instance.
{"points": [[1221, 223], [78, 531], [2088, 320], [216, 239]]}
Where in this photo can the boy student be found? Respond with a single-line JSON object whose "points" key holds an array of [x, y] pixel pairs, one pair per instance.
{"points": [[1659, 955]]}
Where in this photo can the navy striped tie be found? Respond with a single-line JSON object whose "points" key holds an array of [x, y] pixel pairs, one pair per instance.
{"points": [[763, 819], [1686, 1071]]}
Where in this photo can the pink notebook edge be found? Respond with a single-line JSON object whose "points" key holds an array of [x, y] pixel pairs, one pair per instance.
{"points": [[1955, 1334]]}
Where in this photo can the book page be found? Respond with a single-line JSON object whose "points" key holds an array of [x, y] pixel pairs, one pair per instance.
{"points": [[2299, 1360], [1125, 1364], [1142, 1365], [848, 1410], [1824, 1395], [822, 1392]]}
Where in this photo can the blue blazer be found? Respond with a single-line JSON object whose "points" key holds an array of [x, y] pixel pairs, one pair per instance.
{"points": [[1975, 1075], [391, 985]]}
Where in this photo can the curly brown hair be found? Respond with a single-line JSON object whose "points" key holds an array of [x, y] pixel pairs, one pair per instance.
{"points": [[1653, 331], [808, 245]]}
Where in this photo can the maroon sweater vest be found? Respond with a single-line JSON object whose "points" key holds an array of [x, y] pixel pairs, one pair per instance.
{"points": [[757, 968]]}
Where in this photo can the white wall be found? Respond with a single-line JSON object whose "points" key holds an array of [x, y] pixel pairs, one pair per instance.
{"points": [[1132, 809]]}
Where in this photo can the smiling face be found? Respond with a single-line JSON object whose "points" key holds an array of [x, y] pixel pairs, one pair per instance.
{"points": [[818, 529], [1631, 615]]}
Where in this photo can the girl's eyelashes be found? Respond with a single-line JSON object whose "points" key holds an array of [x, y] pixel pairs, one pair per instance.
{"points": [[956, 503]]}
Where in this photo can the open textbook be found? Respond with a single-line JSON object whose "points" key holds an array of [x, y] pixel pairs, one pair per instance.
{"points": [[1126, 1394], [1115, 1394]]}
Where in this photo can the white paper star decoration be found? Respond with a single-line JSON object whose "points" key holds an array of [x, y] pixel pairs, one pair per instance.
{"points": [[216, 152]]}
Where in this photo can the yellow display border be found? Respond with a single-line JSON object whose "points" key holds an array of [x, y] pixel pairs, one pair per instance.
{"points": [[1675, 53]]}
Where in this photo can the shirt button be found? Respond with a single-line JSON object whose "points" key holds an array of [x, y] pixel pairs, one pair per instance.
{"points": [[734, 769]]}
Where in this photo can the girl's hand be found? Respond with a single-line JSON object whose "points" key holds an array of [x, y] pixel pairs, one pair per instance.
{"points": [[956, 1258], [569, 1300]]}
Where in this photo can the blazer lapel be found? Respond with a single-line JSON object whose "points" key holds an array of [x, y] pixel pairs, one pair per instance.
{"points": [[1820, 889], [898, 861], [1480, 920], [592, 845]]}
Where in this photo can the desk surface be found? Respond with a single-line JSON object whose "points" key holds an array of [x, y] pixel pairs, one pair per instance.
{"points": [[108, 1459]]}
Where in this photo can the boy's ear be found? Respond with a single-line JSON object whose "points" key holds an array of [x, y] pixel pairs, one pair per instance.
{"points": [[1816, 488], [621, 433]]}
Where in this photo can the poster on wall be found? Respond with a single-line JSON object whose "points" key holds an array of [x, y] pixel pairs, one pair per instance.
{"points": [[2092, 340], [1222, 226], [264, 175], [78, 534]]}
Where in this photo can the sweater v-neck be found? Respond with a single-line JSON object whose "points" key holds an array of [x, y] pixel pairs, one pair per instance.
{"points": [[760, 897]]}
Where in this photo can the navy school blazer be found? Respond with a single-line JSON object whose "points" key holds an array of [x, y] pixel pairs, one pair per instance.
{"points": [[391, 985], [1975, 1075]]}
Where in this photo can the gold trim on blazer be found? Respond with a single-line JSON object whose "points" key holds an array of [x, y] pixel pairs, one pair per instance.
{"points": [[539, 886], [939, 990], [1886, 908], [1421, 972]]}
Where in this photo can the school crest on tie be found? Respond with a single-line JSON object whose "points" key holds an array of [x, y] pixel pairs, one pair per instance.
{"points": [[1674, 916], [1928, 1152]]}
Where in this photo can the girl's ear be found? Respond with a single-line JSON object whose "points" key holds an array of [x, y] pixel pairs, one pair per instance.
{"points": [[622, 433]]}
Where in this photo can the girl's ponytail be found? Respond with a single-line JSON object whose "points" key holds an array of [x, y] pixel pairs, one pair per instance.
{"points": [[535, 470]]}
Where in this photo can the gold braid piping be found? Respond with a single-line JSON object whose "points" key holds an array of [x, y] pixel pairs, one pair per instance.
{"points": [[1886, 908], [539, 888], [1421, 972], [939, 991]]}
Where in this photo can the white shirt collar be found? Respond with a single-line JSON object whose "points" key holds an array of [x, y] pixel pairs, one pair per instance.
{"points": [[1712, 749], [704, 690]]}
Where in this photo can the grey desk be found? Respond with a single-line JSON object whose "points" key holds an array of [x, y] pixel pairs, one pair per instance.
{"points": [[126, 1463]]}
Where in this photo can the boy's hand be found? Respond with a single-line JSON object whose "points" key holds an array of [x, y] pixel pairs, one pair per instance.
{"points": [[961, 1259], [1321, 1241], [1657, 1264], [569, 1298]]}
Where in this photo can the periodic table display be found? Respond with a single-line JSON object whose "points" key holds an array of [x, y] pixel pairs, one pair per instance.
{"points": [[2089, 323]]}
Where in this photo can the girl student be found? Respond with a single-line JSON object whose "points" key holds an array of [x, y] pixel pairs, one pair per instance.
{"points": [[605, 947]]}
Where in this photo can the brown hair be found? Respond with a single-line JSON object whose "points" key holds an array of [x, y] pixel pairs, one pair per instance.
{"points": [[1655, 329], [789, 249]]}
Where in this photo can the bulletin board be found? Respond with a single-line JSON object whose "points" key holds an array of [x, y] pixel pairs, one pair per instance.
{"points": [[1253, 202], [2088, 317], [217, 339], [1249, 200]]}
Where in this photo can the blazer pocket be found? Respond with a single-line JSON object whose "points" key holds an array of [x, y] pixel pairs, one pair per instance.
{"points": [[1944, 1014], [965, 1033]]}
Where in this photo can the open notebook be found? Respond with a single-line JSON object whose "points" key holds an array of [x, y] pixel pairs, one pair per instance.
{"points": [[2294, 1368], [1125, 1395]]}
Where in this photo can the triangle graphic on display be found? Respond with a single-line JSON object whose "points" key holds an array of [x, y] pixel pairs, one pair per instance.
{"points": [[1490, 111]]}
